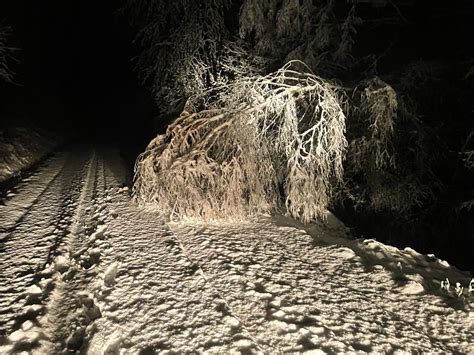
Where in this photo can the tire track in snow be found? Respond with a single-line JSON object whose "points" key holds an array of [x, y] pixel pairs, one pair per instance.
{"points": [[25, 253], [73, 308], [46, 247]]}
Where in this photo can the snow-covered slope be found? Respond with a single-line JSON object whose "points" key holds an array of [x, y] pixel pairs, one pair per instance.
{"points": [[22, 144], [84, 269]]}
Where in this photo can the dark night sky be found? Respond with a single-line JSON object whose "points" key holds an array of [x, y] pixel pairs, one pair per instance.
{"points": [[76, 65]]}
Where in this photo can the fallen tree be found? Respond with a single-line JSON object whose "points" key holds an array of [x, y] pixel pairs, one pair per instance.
{"points": [[267, 142], [250, 142], [277, 143]]}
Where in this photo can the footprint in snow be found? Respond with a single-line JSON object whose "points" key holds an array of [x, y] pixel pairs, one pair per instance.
{"points": [[90, 309], [110, 274], [76, 339], [99, 233], [91, 258], [33, 294], [61, 264]]}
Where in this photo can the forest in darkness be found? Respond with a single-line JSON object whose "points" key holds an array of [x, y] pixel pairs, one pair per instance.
{"points": [[360, 107]]}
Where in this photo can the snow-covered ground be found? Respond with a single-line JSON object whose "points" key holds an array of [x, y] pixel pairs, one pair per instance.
{"points": [[83, 269], [22, 144]]}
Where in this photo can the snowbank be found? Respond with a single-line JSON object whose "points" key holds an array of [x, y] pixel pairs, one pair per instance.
{"points": [[22, 144]]}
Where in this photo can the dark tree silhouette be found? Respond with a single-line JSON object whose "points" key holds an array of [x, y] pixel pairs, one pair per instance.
{"points": [[6, 54]]}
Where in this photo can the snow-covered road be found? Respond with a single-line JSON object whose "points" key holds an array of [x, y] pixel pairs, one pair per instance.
{"points": [[83, 269]]}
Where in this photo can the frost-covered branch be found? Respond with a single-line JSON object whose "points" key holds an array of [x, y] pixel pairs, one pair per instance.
{"points": [[317, 32], [183, 41]]}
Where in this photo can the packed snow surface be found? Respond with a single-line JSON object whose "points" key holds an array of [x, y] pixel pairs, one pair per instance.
{"points": [[83, 269]]}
